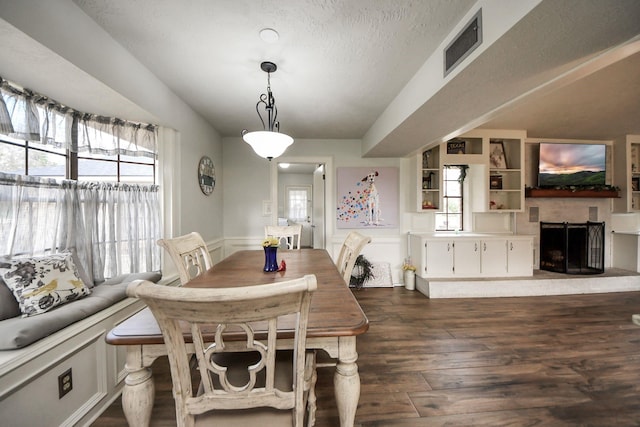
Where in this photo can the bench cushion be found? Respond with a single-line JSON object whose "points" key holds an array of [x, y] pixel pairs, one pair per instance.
{"points": [[19, 332]]}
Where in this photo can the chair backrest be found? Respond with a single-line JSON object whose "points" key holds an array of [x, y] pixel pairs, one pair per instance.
{"points": [[190, 255], [289, 233], [219, 321], [351, 248]]}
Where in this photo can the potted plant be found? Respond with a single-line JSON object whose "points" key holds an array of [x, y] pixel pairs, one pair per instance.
{"points": [[409, 275]]}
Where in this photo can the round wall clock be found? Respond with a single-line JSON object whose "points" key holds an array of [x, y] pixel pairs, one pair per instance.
{"points": [[206, 175]]}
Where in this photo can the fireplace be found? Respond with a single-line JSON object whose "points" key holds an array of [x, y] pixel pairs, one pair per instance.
{"points": [[572, 248]]}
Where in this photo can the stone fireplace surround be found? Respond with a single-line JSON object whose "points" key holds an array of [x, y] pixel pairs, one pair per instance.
{"points": [[572, 210]]}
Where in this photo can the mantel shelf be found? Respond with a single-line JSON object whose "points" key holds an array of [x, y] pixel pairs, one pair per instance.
{"points": [[553, 192]]}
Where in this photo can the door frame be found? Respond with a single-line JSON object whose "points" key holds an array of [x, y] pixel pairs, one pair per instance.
{"points": [[329, 204]]}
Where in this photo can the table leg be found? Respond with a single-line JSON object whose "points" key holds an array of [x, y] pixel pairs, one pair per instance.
{"points": [[346, 381], [139, 390]]}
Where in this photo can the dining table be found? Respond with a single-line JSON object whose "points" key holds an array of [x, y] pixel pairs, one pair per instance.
{"points": [[335, 321]]}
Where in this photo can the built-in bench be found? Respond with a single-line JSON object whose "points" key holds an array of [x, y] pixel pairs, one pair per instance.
{"points": [[37, 351]]}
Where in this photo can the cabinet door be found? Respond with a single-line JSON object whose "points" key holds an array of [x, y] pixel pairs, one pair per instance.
{"points": [[466, 258], [494, 257], [520, 257], [439, 258]]}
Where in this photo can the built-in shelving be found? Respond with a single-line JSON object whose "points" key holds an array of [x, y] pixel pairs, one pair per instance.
{"points": [[430, 173]]}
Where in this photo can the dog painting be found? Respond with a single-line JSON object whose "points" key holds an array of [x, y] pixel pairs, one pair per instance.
{"points": [[367, 197]]}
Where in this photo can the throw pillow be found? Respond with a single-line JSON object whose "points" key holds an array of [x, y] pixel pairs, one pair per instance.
{"points": [[8, 305], [42, 283]]}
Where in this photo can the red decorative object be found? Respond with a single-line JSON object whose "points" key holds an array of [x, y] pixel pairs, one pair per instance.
{"points": [[283, 266]]}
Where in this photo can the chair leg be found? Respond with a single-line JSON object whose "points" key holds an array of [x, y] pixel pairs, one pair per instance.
{"points": [[311, 381]]}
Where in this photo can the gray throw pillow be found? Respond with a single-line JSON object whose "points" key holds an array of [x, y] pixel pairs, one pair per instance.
{"points": [[9, 306]]}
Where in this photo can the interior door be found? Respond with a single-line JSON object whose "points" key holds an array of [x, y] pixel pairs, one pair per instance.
{"points": [[317, 216]]}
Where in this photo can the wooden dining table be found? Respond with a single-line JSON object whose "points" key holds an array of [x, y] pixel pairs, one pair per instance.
{"points": [[335, 321]]}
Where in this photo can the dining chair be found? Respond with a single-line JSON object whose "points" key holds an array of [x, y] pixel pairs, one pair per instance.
{"points": [[189, 254], [243, 380], [289, 233], [351, 248]]}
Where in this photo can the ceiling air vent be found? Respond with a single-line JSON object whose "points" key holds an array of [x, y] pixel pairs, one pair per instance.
{"points": [[465, 42]]}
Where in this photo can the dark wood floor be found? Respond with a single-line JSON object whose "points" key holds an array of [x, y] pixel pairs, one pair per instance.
{"points": [[530, 361]]}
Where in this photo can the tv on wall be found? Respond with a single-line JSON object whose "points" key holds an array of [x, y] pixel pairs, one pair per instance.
{"points": [[571, 164]]}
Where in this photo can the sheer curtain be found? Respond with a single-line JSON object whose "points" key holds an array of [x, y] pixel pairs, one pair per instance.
{"points": [[33, 117], [113, 227]]}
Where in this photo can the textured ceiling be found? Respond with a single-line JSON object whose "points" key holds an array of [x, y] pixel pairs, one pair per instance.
{"points": [[340, 63]]}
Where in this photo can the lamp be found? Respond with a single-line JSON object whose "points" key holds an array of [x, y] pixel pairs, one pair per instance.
{"points": [[268, 143]]}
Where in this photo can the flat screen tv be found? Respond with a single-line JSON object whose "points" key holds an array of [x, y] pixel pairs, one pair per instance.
{"points": [[571, 164]]}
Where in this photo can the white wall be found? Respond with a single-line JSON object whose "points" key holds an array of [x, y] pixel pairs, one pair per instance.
{"points": [[62, 27], [247, 184]]}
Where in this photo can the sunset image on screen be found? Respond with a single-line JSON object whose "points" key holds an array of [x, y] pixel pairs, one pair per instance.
{"points": [[572, 164]]}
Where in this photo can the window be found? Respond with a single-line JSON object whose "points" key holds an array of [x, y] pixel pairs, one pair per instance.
{"points": [[450, 219], [39, 137], [73, 179], [298, 199]]}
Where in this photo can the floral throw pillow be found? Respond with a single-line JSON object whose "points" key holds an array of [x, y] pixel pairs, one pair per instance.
{"points": [[42, 283]]}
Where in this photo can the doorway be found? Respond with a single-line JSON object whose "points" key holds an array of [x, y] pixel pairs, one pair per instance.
{"points": [[299, 196]]}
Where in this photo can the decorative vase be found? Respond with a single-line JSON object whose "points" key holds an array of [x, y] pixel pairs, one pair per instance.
{"points": [[270, 258], [410, 280]]}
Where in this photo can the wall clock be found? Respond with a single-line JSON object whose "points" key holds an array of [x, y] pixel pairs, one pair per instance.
{"points": [[206, 175]]}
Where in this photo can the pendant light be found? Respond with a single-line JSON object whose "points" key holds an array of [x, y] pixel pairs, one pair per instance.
{"points": [[268, 143]]}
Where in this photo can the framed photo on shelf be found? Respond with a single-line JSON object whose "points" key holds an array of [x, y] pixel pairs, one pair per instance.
{"points": [[635, 183], [497, 157], [495, 182]]}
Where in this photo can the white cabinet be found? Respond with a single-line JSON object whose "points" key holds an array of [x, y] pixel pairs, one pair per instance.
{"points": [[445, 255], [466, 257], [494, 257], [439, 252], [520, 257]]}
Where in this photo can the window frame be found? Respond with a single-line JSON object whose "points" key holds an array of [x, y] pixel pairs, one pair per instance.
{"points": [[446, 212], [72, 160]]}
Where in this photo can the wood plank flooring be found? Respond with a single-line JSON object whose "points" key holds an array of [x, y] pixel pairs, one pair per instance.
{"points": [[569, 360]]}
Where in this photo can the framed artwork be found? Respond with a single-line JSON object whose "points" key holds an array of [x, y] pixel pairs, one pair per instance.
{"points": [[497, 157], [635, 183], [495, 182], [367, 197], [206, 175]]}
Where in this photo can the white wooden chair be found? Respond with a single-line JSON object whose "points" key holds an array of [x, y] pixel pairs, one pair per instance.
{"points": [[351, 248], [289, 233], [189, 254], [244, 381]]}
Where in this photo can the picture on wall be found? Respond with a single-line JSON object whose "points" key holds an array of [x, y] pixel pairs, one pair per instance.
{"points": [[367, 197]]}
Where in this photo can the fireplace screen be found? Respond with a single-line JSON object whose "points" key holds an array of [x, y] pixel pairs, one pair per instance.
{"points": [[572, 248]]}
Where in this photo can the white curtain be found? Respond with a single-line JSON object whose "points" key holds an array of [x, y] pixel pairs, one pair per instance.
{"points": [[29, 116], [113, 227]]}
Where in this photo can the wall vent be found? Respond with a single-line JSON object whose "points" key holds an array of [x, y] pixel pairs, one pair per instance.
{"points": [[464, 43]]}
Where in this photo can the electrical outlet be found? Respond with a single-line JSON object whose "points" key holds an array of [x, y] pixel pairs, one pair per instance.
{"points": [[65, 383]]}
